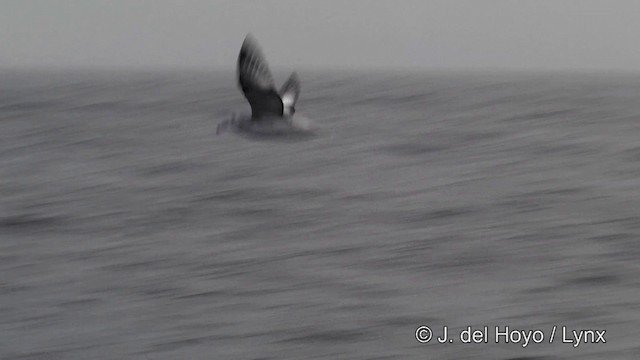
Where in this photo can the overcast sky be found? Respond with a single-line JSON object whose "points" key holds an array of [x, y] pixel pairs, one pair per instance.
{"points": [[516, 34]]}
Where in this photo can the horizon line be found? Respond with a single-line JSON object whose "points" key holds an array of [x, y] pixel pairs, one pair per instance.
{"points": [[313, 68]]}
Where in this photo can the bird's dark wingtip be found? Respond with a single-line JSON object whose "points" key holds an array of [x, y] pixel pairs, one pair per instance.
{"points": [[249, 39]]}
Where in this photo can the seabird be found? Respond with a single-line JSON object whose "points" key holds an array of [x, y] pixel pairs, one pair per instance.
{"points": [[269, 107]]}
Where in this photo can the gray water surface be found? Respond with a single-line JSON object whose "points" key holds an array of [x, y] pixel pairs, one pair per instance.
{"points": [[129, 230]]}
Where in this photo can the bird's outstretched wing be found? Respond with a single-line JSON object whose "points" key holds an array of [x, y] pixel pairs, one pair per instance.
{"points": [[256, 82], [289, 93]]}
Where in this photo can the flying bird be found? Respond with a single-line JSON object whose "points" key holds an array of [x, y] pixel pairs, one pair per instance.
{"points": [[256, 82], [270, 109]]}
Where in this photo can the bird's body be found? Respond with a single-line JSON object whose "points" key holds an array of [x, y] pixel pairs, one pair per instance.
{"points": [[272, 111], [267, 125]]}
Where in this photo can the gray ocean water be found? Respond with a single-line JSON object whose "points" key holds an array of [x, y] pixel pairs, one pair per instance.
{"points": [[129, 230]]}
